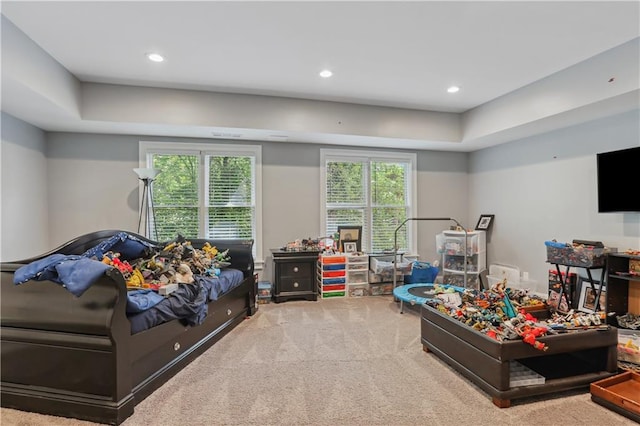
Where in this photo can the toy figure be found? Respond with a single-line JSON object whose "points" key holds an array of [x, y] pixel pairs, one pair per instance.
{"points": [[184, 274]]}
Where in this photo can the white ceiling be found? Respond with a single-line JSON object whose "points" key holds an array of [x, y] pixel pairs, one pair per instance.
{"points": [[392, 54]]}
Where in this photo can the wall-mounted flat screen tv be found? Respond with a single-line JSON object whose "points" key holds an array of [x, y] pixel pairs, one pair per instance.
{"points": [[619, 180]]}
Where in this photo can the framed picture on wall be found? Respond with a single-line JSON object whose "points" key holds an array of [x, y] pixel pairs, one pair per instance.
{"points": [[350, 233]]}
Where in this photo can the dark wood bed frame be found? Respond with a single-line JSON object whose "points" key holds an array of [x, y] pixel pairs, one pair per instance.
{"points": [[75, 356]]}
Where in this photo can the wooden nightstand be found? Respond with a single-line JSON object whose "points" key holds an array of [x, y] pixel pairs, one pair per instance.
{"points": [[294, 275]]}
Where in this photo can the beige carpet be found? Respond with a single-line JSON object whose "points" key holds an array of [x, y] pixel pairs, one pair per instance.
{"points": [[354, 361]]}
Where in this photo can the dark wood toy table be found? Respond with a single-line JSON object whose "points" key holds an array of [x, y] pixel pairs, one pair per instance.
{"points": [[573, 360]]}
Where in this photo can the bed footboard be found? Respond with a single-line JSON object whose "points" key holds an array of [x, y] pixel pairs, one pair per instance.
{"points": [[62, 354]]}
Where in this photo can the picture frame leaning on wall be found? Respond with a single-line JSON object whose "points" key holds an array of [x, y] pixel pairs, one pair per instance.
{"points": [[587, 299], [350, 233], [484, 222]]}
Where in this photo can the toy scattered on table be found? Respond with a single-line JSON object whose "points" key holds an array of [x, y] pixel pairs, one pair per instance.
{"points": [[629, 321], [576, 320], [499, 313], [309, 244]]}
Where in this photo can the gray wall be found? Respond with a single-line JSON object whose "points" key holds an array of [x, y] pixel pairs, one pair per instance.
{"points": [[91, 185], [25, 207], [539, 188], [544, 188]]}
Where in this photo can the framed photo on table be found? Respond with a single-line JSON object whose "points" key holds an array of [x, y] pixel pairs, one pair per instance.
{"points": [[556, 304], [349, 234], [485, 222], [350, 246], [587, 300]]}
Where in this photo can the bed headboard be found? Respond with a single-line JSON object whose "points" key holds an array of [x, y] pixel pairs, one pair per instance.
{"points": [[81, 244], [240, 251]]}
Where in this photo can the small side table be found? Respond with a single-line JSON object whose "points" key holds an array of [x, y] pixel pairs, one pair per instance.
{"points": [[571, 297], [295, 275]]}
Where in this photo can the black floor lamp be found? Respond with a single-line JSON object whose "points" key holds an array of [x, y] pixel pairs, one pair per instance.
{"points": [[147, 177]]}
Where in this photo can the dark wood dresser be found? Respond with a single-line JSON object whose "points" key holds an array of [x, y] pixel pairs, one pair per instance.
{"points": [[294, 275]]}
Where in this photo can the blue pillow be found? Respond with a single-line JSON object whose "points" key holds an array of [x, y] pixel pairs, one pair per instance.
{"points": [[127, 245]]}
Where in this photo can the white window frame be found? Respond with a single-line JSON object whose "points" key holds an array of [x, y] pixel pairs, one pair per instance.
{"points": [[148, 148], [355, 155]]}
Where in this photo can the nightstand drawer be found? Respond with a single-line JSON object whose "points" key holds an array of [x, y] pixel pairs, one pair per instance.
{"points": [[296, 269], [288, 284]]}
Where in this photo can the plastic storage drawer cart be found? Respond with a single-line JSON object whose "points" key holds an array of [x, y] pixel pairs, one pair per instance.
{"points": [[332, 276]]}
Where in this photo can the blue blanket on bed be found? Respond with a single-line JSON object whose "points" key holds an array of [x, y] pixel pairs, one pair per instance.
{"points": [[188, 302], [142, 299], [145, 307], [77, 273]]}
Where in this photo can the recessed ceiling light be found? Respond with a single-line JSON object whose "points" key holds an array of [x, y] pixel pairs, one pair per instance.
{"points": [[325, 73], [453, 89], [155, 57]]}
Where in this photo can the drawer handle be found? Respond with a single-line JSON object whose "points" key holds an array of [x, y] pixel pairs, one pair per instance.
{"points": [[296, 284], [295, 269], [228, 312], [176, 346]]}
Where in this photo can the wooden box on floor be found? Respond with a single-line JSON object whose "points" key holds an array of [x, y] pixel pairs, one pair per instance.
{"points": [[620, 393]]}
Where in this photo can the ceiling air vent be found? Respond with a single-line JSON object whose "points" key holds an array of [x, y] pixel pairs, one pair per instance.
{"points": [[226, 135]]}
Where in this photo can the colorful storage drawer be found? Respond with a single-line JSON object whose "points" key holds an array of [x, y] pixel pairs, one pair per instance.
{"points": [[333, 274], [341, 280], [329, 294], [333, 287], [333, 267], [326, 260]]}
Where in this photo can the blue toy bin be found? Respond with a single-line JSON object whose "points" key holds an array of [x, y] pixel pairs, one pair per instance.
{"points": [[421, 272]]}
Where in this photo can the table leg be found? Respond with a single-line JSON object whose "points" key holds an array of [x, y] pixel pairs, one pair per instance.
{"points": [[563, 290], [598, 292], [501, 403]]}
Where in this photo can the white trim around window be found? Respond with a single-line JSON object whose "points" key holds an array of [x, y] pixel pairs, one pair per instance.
{"points": [[357, 155], [187, 148]]}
